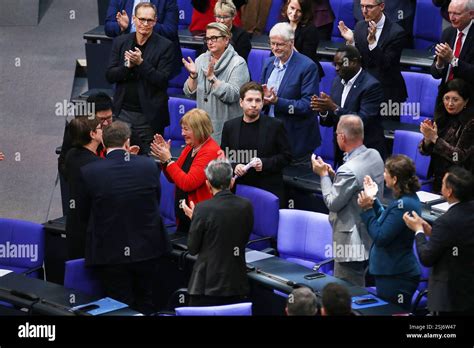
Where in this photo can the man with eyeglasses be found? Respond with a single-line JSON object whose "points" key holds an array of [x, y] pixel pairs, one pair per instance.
{"points": [[289, 80], [380, 42], [401, 12], [141, 64], [455, 53], [119, 21]]}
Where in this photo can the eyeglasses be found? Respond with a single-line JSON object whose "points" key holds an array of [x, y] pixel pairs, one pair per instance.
{"points": [[212, 38], [223, 18], [145, 21], [107, 119], [277, 44], [368, 7]]}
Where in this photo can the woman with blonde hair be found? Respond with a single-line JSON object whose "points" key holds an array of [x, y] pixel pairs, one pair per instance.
{"points": [[187, 173]]}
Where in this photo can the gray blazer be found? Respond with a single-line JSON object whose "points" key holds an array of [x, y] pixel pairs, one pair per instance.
{"points": [[351, 242]]}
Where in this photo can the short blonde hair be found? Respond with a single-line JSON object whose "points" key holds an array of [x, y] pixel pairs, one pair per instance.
{"points": [[226, 6], [199, 122], [221, 28]]}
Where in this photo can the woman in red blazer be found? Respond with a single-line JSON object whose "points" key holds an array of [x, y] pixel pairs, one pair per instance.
{"points": [[187, 173]]}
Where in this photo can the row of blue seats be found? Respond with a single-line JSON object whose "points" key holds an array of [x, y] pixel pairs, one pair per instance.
{"points": [[426, 31]]}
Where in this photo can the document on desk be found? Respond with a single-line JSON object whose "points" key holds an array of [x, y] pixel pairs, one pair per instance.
{"points": [[4, 272], [102, 306], [440, 208], [428, 197], [255, 255]]}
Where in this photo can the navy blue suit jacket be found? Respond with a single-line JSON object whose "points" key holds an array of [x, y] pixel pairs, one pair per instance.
{"points": [[123, 194], [364, 99], [392, 248], [293, 108], [383, 62]]}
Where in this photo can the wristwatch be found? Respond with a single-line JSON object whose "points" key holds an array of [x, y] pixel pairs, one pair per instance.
{"points": [[212, 80], [168, 161]]}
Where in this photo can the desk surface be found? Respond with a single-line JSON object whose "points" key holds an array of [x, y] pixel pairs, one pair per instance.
{"points": [[52, 292], [326, 49]]}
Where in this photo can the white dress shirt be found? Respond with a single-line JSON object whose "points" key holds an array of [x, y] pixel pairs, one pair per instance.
{"points": [[347, 87], [378, 32]]}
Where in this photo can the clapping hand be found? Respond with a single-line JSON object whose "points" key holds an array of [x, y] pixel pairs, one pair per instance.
{"points": [[319, 166], [346, 33], [160, 148], [188, 211], [365, 201], [2, 156], [370, 187], [429, 131], [122, 20], [371, 30], [269, 95], [190, 66]]}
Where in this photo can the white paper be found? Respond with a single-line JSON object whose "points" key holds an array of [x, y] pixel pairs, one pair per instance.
{"points": [[426, 197], [255, 255], [440, 208], [4, 272]]}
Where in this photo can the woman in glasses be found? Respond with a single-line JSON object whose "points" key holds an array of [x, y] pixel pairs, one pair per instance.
{"points": [[86, 136], [450, 138], [203, 14], [299, 14], [215, 78]]}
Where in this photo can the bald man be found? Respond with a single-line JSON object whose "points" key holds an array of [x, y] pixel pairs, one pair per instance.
{"points": [[351, 242]]}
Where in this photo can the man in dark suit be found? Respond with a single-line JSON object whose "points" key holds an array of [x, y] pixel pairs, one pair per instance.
{"points": [[354, 91], [455, 53], [290, 79], [261, 137], [450, 248], [125, 235], [380, 42], [141, 64], [220, 229], [401, 12]]}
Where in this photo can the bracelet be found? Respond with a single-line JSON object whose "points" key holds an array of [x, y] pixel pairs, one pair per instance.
{"points": [[193, 78], [168, 161]]}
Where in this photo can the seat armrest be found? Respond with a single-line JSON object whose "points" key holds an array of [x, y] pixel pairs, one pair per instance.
{"points": [[318, 265]]}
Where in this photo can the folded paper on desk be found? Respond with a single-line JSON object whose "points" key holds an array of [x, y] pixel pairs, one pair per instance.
{"points": [[101, 306], [255, 255], [440, 208], [428, 197], [4, 272], [366, 301]]}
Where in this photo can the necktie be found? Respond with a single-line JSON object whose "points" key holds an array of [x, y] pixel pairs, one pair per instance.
{"points": [[457, 51]]}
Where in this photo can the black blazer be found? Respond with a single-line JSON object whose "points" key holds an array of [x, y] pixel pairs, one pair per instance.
{"points": [[450, 251], [364, 100], [383, 62], [122, 195], [154, 74], [465, 68], [306, 42], [273, 149], [220, 229], [76, 158]]}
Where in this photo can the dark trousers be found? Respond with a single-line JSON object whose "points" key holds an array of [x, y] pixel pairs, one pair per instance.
{"points": [[141, 130], [130, 283], [202, 300], [397, 289]]}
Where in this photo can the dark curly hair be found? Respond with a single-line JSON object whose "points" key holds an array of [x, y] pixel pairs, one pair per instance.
{"points": [[404, 169], [306, 9]]}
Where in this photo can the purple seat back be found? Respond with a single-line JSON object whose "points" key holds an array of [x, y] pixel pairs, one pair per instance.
{"points": [[177, 108], [175, 85], [167, 202], [427, 26], [273, 15], [329, 75], [255, 63], [185, 13], [343, 11], [406, 143], [81, 278]]}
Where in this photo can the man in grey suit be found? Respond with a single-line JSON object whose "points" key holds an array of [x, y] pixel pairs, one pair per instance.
{"points": [[351, 242]]}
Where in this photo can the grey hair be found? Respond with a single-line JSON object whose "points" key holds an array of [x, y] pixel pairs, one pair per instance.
{"points": [[352, 127], [470, 5], [219, 174], [221, 28], [116, 134], [302, 301], [226, 6], [284, 30], [379, 1]]}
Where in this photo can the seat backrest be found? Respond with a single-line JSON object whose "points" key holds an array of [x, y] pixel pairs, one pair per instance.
{"points": [[255, 62], [175, 85], [238, 309], [427, 26], [167, 202], [24, 241], [343, 11], [305, 235], [78, 277], [273, 15], [425, 271], [422, 91], [265, 211], [406, 143], [329, 75], [177, 108], [185, 13], [429, 93], [326, 149]]}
